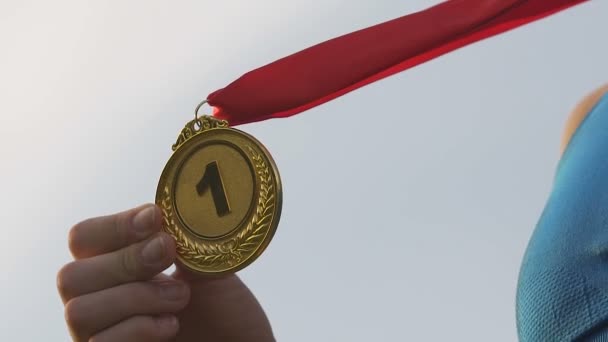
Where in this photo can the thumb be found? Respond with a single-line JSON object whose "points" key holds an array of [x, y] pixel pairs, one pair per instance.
{"points": [[562, 293]]}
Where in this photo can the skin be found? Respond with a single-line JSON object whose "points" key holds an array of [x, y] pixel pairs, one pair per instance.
{"points": [[111, 293], [580, 112]]}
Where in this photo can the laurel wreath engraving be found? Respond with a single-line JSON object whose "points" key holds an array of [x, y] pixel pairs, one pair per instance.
{"points": [[227, 253]]}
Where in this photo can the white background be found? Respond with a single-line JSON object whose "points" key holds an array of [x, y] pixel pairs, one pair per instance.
{"points": [[407, 205]]}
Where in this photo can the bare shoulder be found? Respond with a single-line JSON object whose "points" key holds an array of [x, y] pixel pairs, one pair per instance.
{"points": [[580, 112]]}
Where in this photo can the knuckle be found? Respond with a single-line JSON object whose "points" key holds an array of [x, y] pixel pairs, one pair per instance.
{"points": [[132, 297], [95, 339], [64, 279], [75, 236], [147, 326], [129, 262], [120, 225], [74, 314]]}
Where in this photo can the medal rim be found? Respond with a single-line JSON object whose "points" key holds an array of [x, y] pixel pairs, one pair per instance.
{"points": [[173, 164]]}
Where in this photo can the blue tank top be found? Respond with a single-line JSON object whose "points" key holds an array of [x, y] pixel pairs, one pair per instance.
{"points": [[562, 293]]}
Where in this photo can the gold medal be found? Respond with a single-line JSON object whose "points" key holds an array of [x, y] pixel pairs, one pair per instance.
{"points": [[220, 194]]}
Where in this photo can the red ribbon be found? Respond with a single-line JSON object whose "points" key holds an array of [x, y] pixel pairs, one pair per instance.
{"points": [[333, 68]]}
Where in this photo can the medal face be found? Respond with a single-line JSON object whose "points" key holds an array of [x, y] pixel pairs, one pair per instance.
{"points": [[220, 194]]}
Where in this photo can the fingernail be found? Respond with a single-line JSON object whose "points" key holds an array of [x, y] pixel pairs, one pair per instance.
{"points": [[167, 321], [143, 221], [172, 290], [154, 251]]}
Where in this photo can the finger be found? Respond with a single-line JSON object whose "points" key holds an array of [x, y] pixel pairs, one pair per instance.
{"points": [[106, 234], [580, 113], [140, 328], [140, 261], [89, 314]]}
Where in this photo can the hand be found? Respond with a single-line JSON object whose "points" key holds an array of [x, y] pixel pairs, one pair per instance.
{"points": [[115, 291]]}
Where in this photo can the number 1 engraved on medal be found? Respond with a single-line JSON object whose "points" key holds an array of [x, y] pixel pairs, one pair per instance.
{"points": [[212, 179]]}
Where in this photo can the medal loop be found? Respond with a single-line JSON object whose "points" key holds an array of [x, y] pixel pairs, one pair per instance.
{"points": [[197, 123]]}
